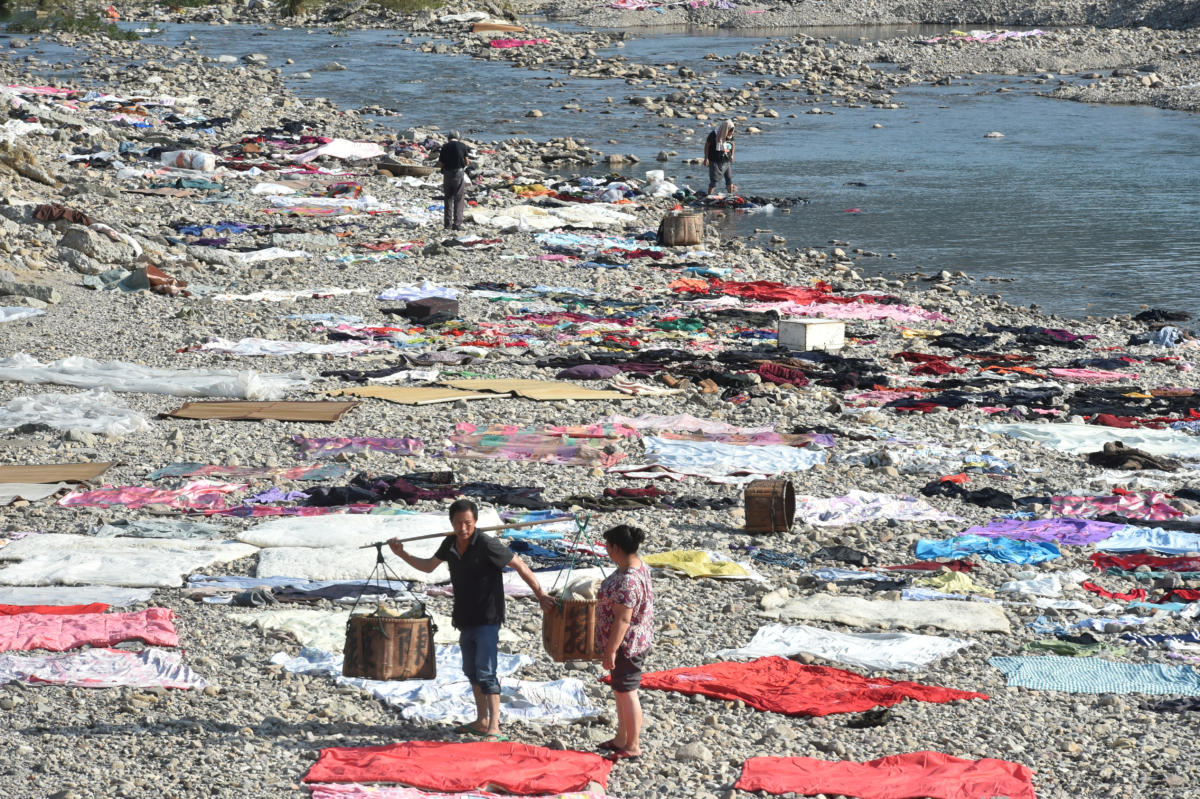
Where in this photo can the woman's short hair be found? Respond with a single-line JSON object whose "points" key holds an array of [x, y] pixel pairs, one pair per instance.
{"points": [[625, 537]]}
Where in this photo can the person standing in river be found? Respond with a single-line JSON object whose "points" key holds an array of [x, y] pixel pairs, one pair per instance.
{"points": [[453, 161], [718, 157], [477, 563]]}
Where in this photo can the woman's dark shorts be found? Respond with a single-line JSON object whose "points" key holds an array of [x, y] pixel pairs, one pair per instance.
{"points": [[627, 676]]}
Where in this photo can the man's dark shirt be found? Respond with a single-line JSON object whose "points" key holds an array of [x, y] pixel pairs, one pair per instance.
{"points": [[477, 579], [453, 156]]}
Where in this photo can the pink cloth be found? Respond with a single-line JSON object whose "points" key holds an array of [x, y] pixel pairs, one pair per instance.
{"points": [[1148, 506], [58, 633], [506, 43], [205, 494], [834, 310], [102, 668], [1091, 375]]}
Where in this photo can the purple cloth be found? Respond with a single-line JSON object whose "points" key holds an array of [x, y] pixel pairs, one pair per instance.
{"points": [[589, 371], [277, 494], [1071, 532]]}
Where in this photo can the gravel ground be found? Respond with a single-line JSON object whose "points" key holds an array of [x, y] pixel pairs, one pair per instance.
{"points": [[255, 731]]}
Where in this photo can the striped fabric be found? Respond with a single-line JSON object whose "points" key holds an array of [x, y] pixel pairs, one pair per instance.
{"points": [[1096, 676]]}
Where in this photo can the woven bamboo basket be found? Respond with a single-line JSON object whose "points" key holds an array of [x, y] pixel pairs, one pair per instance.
{"points": [[386, 648], [682, 229], [569, 631]]}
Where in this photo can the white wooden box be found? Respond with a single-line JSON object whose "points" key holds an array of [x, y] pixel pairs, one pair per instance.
{"points": [[812, 334]]}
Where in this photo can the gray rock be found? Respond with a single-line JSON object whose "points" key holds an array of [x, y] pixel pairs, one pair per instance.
{"points": [[43, 293], [693, 752], [303, 240], [256, 59], [78, 261], [96, 245]]}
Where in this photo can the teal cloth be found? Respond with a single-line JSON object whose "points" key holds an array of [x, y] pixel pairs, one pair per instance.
{"points": [[1097, 676]]}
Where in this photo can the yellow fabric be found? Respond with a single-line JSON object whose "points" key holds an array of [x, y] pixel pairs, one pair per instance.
{"points": [[954, 583], [912, 332], [694, 563]]}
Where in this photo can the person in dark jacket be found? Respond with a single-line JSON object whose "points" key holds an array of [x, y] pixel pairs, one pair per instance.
{"points": [[476, 563], [453, 161], [718, 157]]}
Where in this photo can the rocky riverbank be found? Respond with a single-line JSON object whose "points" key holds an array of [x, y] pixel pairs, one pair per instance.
{"points": [[257, 728]]}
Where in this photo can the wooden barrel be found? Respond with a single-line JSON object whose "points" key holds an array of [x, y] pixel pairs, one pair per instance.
{"points": [[386, 648], [681, 229], [770, 506], [569, 631]]}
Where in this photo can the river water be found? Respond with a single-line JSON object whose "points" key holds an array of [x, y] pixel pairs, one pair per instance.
{"points": [[1083, 210]]}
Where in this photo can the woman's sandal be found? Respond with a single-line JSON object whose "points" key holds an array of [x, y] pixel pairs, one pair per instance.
{"points": [[467, 729], [610, 744], [621, 754]]}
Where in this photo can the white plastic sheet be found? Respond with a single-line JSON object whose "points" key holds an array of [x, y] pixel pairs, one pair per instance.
{"points": [[718, 462], [28, 491], [121, 376], [266, 346], [448, 698], [95, 411], [341, 148], [268, 254], [967, 617], [59, 559], [102, 668], [532, 217], [1078, 439], [74, 595], [11, 313], [326, 630], [874, 651]]}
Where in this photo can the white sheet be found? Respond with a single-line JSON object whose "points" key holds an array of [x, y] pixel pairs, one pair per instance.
{"points": [[121, 376], [345, 563], [720, 463], [11, 313], [875, 651], [265, 346], [74, 595], [94, 411], [1078, 439], [102, 668], [9, 492], [448, 698], [58, 559], [967, 617], [532, 217], [323, 629]]}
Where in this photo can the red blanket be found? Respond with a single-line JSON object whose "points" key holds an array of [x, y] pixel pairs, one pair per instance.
{"points": [[12, 610], [908, 776], [432, 765], [59, 633], [784, 686]]}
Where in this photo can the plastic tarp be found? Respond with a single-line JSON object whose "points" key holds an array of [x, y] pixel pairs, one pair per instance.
{"points": [[60, 632], [780, 685], [532, 217], [94, 411], [327, 547], [449, 699], [994, 550], [1079, 439], [102, 668], [505, 766], [31, 492], [1096, 676], [326, 630], [873, 651], [905, 776], [58, 559], [75, 595], [853, 611], [121, 377]]}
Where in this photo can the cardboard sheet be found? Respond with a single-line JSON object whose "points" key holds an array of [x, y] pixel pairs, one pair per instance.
{"points": [[233, 410], [537, 389], [413, 395], [30, 492], [53, 472]]}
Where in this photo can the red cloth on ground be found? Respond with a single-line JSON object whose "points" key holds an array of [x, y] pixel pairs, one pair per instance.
{"points": [[920, 357], [936, 368], [436, 766], [782, 375], [784, 686], [1180, 595], [52, 610], [1181, 563], [907, 776], [59, 633], [1138, 594]]}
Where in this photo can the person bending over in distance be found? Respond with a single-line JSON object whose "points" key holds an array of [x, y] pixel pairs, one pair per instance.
{"points": [[453, 161], [476, 563], [624, 631], [718, 157]]}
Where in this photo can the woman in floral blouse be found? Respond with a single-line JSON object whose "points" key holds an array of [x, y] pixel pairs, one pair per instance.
{"points": [[624, 618]]}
